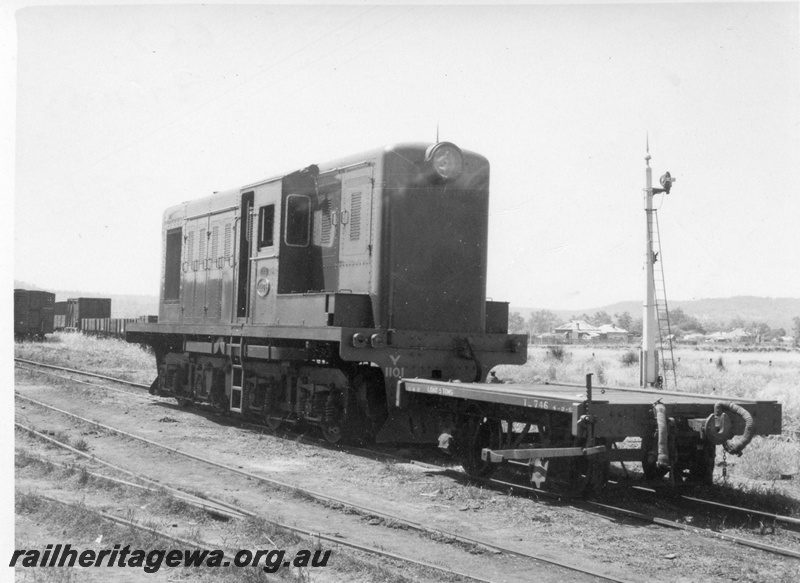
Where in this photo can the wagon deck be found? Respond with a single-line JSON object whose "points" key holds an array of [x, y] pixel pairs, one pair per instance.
{"points": [[619, 412]]}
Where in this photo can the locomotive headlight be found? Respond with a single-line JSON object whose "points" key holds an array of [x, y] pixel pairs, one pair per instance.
{"points": [[446, 160]]}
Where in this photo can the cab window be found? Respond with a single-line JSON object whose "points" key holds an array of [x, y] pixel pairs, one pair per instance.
{"points": [[266, 226], [298, 220]]}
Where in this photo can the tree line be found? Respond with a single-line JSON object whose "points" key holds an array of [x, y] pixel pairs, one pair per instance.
{"points": [[681, 323]]}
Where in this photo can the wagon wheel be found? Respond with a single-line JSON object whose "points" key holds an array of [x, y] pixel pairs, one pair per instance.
{"points": [[476, 434], [695, 463], [570, 476], [600, 468]]}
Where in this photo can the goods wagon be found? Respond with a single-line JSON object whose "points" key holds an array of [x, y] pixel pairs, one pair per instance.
{"points": [[111, 326], [59, 315], [82, 308], [33, 313]]}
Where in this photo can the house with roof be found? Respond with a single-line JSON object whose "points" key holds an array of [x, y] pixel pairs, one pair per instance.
{"points": [[578, 331], [613, 333], [693, 338], [738, 336]]}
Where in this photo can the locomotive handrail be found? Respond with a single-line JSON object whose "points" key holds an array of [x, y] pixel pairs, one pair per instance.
{"points": [[209, 213], [347, 168]]}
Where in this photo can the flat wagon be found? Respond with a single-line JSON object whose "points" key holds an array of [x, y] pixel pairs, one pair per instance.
{"points": [[569, 434]]}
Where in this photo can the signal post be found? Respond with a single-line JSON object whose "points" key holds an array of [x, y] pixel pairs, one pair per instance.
{"points": [[648, 355]]}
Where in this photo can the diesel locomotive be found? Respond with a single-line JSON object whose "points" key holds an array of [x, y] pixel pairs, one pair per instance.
{"points": [[306, 297], [351, 296]]}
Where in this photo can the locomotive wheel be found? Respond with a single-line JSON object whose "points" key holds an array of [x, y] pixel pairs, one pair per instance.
{"points": [[219, 404], [184, 403], [274, 423], [478, 433], [332, 433], [371, 410]]}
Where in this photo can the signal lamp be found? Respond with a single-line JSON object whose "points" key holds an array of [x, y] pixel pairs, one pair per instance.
{"points": [[666, 182], [445, 159]]}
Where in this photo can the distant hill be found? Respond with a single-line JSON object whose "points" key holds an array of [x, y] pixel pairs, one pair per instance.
{"points": [[122, 306], [777, 312]]}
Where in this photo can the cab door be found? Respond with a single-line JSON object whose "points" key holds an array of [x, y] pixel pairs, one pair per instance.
{"points": [[264, 252], [299, 269], [355, 247]]}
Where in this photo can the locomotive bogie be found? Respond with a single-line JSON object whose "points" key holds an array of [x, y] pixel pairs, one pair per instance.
{"points": [[280, 391]]}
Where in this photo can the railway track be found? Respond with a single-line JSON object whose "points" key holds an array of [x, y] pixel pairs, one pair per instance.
{"points": [[231, 511], [349, 505], [324, 498], [589, 505]]}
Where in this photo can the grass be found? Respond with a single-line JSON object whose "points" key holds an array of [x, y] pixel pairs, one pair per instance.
{"points": [[110, 356]]}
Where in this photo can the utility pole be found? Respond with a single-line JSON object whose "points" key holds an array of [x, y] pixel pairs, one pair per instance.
{"points": [[648, 355]]}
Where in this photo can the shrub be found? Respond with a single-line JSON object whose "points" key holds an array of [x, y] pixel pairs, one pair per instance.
{"points": [[629, 358], [600, 373], [768, 459], [556, 352]]}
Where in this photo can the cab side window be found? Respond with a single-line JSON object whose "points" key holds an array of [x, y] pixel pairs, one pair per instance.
{"points": [[266, 226], [298, 220]]}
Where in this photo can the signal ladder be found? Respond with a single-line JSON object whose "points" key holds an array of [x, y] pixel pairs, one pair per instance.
{"points": [[667, 354]]}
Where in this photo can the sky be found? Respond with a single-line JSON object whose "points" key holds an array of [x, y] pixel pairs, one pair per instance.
{"points": [[123, 111]]}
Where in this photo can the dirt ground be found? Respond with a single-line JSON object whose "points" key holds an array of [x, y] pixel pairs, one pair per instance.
{"points": [[623, 548]]}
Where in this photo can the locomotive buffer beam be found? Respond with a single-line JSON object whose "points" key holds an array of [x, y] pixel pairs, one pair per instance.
{"points": [[502, 455]]}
